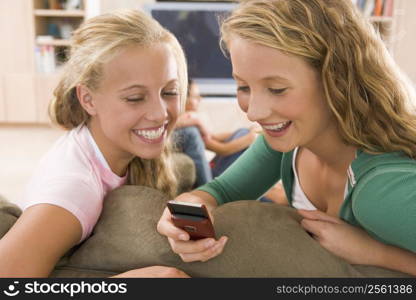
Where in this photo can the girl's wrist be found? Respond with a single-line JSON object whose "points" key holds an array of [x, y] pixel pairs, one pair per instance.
{"points": [[394, 258], [381, 255]]}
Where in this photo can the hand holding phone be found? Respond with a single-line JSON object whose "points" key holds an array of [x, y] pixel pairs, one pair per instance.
{"points": [[193, 218]]}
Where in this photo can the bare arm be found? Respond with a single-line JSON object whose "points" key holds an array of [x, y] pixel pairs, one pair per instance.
{"points": [[205, 198], [399, 259], [191, 119], [40, 236], [355, 245], [186, 119], [227, 148], [221, 136]]}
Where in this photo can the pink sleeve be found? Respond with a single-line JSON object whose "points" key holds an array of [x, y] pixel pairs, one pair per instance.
{"points": [[80, 197]]}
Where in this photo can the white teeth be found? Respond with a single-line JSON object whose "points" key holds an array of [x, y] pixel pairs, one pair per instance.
{"points": [[151, 134], [276, 126]]}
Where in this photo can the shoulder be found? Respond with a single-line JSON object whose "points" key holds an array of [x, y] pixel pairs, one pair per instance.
{"points": [[70, 157], [378, 171], [384, 198], [78, 195], [392, 185], [67, 177]]}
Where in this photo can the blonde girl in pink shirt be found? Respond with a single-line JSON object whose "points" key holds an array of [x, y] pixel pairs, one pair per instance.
{"points": [[119, 97]]}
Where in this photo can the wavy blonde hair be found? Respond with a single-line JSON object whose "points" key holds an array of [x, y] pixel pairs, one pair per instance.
{"points": [[369, 97], [94, 44]]}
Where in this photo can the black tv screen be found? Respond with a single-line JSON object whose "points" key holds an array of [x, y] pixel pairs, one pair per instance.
{"points": [[196, 26]]}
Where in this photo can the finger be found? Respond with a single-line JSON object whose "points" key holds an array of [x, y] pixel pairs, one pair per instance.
{"points": [[319, 216], [208, 254], [166, 227], [186, 247], [314, 227], [183, 275], [211, 216]]}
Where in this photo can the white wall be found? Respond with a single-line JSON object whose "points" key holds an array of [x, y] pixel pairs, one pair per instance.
{"points": [[223, 115], [108, 5], [405, 37]]}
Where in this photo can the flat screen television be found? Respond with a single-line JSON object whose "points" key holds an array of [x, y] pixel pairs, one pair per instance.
{"points": [[196, 26]]}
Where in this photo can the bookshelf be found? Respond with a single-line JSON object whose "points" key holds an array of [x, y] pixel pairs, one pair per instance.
{"points": [[25, 91], [54, 22], [381, 13], [59, 13]]}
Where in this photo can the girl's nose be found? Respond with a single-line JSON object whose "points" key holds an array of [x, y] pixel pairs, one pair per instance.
{"points": [[258, 108]]}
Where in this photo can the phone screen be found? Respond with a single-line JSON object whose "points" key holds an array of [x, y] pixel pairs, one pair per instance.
{"points": [[193, 218], [184, 208]]}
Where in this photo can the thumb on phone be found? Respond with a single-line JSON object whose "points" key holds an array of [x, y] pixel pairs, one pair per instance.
{"points": [[166, 227]]}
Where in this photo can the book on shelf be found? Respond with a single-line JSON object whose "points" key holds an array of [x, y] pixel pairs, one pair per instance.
{"points": [[375, 8], [378, 8], [72, 4], [369, 8], [45, 59], [361, 4], [388, 8], [64, 4]]}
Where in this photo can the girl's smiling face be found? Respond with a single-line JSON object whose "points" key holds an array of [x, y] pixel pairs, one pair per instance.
{"points": [[282, 93], [136, 104]]}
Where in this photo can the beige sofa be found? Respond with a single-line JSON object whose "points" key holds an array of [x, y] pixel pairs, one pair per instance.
{"points": [[265, 240]]}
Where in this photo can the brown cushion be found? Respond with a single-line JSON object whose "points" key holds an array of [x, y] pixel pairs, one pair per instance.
{"points": [[265, 240], [9, 213], [184, 169]]}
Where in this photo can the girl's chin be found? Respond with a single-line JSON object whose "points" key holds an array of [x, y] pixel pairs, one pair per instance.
{"points": [[279, 147], [153, 154]]}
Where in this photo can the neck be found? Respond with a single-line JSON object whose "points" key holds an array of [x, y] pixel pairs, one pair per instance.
{"points": [[331, 151], [117, 159]]}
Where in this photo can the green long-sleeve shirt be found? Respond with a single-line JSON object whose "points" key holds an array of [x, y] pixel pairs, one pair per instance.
{"points": [[381, 195]]}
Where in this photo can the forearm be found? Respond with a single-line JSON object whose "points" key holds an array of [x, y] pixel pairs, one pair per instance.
{"points": [[197, 196], [186, 122], [398, 259], [219, 148], [13, 266], [222, 136], [228, 148], [206, 198], [40, 236], [249, 177]]}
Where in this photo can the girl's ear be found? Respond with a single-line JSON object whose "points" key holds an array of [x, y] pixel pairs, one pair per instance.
{"points": [[85, 98]]}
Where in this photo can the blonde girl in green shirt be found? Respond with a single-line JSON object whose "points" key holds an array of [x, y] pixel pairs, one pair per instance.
{"points": [[320, 81]]}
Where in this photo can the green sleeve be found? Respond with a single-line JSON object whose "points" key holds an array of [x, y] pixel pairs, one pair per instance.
{"points": [[249, 177], [385, 206]]}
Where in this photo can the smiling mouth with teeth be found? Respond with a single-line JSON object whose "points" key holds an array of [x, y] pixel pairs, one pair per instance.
{"points": [[153, 134], [278, 127]]}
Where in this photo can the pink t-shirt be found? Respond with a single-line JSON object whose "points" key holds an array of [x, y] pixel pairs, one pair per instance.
{"points": [[73, 175]]}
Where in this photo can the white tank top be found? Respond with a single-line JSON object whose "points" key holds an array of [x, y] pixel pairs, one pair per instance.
{"points": [[299, 199]]}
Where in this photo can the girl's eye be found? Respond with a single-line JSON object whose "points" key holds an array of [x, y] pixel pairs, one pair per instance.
{"points": [[171, 93], [277, 91], [244, 89], [134, 99]]}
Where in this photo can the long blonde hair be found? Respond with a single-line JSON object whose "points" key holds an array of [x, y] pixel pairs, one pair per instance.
{"points": [[96, 42], [367, 94]]}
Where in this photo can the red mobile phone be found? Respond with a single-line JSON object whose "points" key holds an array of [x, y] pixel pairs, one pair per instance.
{"points": [[193, 218]]}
